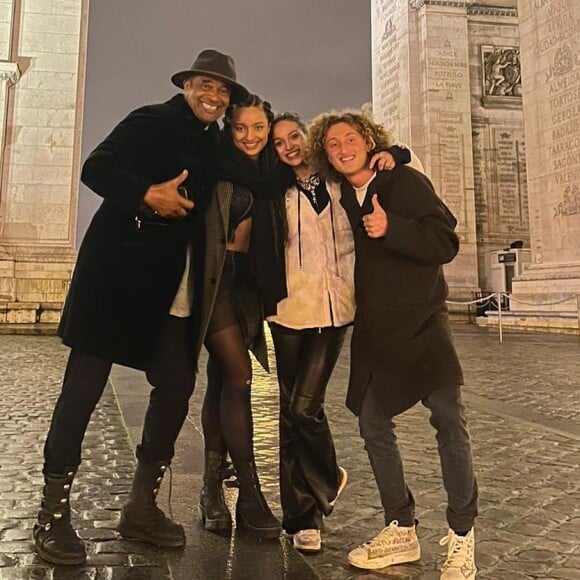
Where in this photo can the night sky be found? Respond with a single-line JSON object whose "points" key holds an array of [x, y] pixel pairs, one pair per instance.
{"points": [[305, 56]]}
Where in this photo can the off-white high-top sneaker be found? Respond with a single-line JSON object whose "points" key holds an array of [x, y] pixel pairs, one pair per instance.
{"points": [[460, 562], [392, 545]]}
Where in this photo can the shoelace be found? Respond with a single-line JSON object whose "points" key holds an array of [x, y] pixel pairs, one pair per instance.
{"points": [[383, 539], [156, 490], [170, 490], [456, 545]]}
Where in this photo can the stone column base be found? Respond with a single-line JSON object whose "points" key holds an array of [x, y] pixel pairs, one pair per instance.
{"points": [[557, 323], [34, 284]]}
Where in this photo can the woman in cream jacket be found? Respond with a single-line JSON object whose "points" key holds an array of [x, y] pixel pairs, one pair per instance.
{"points": [[308, 330]]}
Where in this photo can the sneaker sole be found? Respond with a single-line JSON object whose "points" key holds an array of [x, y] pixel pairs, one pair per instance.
{"points": [[341, 487], [384, 562], [307, 550], [470, 577]]}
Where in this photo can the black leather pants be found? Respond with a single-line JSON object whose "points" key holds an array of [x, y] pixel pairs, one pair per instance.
{"points": [[309, 473]]}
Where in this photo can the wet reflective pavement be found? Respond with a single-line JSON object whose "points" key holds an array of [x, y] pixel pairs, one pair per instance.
{"points": [[523, 403]]}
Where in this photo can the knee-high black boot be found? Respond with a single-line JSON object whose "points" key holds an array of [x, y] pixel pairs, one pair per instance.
{"points": [[213, 510], [55, 539], [253, 514], [141, 519]]}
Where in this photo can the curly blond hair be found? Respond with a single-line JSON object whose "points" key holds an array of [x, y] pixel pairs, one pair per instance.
{"points": [[374, 134]]}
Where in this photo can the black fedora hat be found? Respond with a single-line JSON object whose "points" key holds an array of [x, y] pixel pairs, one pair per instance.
{"points": [[217, 65]]}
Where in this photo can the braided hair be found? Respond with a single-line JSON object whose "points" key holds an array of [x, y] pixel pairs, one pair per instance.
{"points": [[268, 157], [262, 180]]}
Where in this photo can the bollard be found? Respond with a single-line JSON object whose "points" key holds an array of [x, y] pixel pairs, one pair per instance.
{"points": [[499, 321]]}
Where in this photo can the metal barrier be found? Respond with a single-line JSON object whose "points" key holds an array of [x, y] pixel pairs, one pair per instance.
{"points": [[499, 300]]}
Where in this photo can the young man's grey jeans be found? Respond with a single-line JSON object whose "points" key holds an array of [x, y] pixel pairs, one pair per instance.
{"points": [[448, 419]]}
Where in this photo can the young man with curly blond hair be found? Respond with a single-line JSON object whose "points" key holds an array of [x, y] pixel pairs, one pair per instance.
{"points": [[402, 351]]}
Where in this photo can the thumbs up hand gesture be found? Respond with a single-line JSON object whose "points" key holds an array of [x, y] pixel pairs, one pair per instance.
{"points": [[166, 200], [376, 223]]}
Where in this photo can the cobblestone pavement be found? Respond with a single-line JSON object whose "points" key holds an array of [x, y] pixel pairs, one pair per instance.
{"points": [[30, 378], [524, 410], [523, 402]]}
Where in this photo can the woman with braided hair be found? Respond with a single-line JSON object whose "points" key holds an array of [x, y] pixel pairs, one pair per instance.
{"points": [[254, 201], [235, 326]]}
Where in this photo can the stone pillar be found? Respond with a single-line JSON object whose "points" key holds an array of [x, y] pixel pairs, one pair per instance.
{"points": [[40, 155], [391, 39], [501, 199], [550, 57], [9, 76], [421, 89]]}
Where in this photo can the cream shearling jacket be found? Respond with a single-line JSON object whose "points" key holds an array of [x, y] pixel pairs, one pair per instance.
{"points": [[319, 264]]}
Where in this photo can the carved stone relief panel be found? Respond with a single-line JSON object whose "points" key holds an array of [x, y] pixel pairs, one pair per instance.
{"points": [[502, 76], [570, 204]]}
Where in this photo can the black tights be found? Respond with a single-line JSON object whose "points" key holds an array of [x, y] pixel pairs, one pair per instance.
{"points": [[226, 415]]}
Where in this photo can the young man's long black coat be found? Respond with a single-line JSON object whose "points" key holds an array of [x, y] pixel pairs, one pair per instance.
{"points": [[126, 278], [401, 344]]}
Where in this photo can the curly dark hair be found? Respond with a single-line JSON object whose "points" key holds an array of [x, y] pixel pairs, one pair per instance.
{"points": [[374, 134]]}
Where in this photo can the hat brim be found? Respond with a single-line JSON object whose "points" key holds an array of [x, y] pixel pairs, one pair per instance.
{"points": [[238, 92]]}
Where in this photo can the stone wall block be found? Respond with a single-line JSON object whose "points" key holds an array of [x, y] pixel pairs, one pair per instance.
{"points": [[47, 270], [22, 312], [50, 312], [28, 290], [7, 281], [45, 99], [57, 23], [65, 7], [52, 155], [7, 288]]}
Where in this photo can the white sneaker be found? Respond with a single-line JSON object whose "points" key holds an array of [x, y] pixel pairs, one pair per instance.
{"points": [[341, 485], [460, 562], [307, 541], [392, 545]]}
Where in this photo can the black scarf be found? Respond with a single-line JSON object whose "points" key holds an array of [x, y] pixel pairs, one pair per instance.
{"points": [[268, 180]]}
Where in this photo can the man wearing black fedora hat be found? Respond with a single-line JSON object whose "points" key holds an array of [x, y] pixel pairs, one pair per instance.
{"points": [[131, 299]]}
